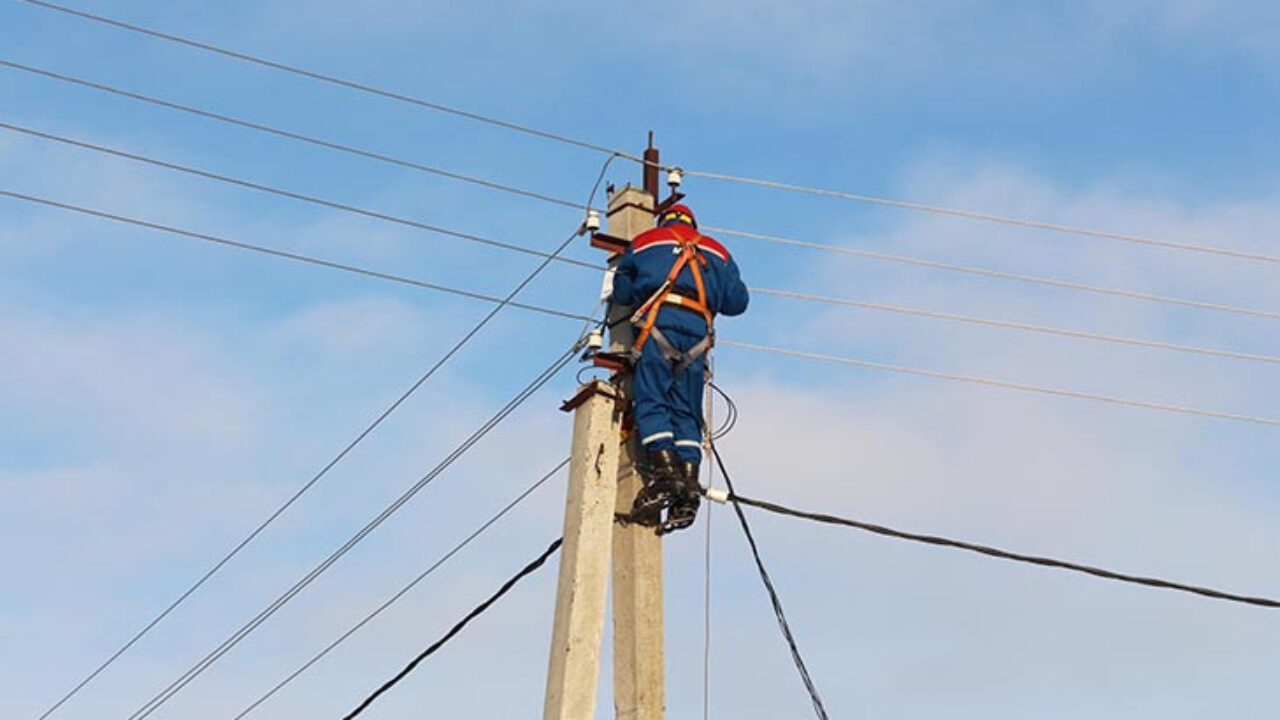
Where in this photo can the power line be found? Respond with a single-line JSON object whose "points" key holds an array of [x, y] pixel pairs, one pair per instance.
{"points": [[996, 273], [403, 591], [729, 343], [324, 471], [369, 89], [1017, 325], [1005, 554], [286, 255], [969, 214], [295, 195], [530, 251], [778, 612], [309, 139], [479, 610], [195, 671], [1002, 383], [332, 80], [235, 638]]}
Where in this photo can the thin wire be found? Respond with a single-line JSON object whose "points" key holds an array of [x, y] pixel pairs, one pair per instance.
{"points": [[530, 251], [986, 217], [706, 553], [479, 610], [727, 231], [403, 591], [309, 139], [1018, 326], [195, 671], [288, 255], [295, 195], [998, 274], [728, 343], [332, 80], [778, 612], [1006, 555], [1003, 383], [227, 645]]}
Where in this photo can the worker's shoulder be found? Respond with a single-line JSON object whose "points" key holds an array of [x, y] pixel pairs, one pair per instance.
{"points": [[672, 236], [713, 246], [654, 237]]}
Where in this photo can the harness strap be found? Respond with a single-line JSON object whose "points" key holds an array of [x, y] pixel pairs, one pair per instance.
{"points": [[646, 315], [680, 361]]}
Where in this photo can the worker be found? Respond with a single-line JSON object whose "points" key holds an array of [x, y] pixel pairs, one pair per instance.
{"points": [[678, 280]]}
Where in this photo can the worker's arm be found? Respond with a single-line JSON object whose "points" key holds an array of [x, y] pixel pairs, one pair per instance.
{"points": [[624, 280], [733, 292]]}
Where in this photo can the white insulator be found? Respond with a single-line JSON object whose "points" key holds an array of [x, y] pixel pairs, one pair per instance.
{"points": [[595, 340], [592, 223], [719, 495], [675, 177]]}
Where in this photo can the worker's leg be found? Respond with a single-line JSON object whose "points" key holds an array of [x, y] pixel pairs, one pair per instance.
{"points": [[652, 408], [686, 414]]}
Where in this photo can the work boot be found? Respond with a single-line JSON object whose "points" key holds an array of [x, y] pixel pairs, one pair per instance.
{"points": [[684, 505], [661, 483]]}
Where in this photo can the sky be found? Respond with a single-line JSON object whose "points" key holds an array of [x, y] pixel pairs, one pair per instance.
{"points": [[161, 396]]}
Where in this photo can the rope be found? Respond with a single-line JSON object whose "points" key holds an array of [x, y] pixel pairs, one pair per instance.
{"points": [[309, 139], [1004, 384], [987, 217], [478, 611], [1005, 554], [1132, 294], [781, 617], [403, 591], [332, 80]]}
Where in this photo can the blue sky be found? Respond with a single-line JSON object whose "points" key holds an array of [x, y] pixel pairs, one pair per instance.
{"points": [[161, 396]]}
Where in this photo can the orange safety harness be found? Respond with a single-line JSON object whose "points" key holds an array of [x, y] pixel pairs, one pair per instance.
{"points": [[645, 316]]}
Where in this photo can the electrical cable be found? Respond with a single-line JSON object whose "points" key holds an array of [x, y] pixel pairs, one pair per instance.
{"points": [[1082, 287], [781, 617], [289, 255], [332, 80], [1117, 339], [403, 591], [727, 343], [1005, 554], [530, 251], [235, 638], [479, 610], [195, 671], [1003, 383], [324, 471], [986, 217], [309, 139], [353, 209]]}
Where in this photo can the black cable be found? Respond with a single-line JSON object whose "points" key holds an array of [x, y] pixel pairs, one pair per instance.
{"points": [[479, 610], [773, 594], [335, 80], [1005, 554], [731, 414], [227, 645], [394, 598]]}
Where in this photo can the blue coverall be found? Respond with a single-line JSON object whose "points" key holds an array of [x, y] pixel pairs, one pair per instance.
{"points": [[668, 408]]}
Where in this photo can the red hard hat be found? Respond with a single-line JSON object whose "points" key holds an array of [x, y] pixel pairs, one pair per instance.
{"points": [[677, 213]]}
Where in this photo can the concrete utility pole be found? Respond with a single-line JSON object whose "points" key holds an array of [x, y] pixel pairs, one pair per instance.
{"points": [[602, 481]]}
